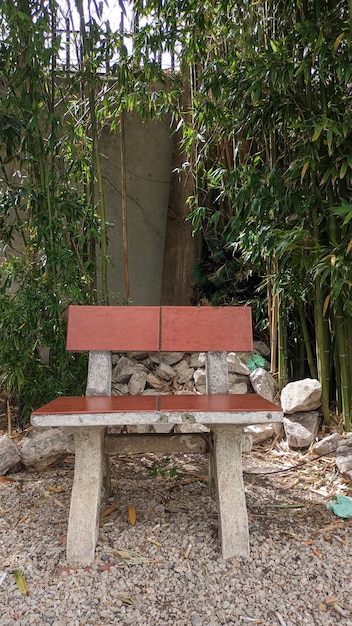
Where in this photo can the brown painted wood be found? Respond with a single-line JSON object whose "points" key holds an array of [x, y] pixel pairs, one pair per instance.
{"points": [[198, 329], [70, 405], [120, 328], [76, 405], [216, 403]]}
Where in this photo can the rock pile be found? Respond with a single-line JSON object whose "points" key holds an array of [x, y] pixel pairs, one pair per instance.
{"points": [[184, 373], [299, 401]]}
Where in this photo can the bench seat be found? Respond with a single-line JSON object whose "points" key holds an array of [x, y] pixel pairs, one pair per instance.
{"points": [[205, 409]]}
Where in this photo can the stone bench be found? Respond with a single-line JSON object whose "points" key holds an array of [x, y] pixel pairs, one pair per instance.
{"points": [[103, 330]]}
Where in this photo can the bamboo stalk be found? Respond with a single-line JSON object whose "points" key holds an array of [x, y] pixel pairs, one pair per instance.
{"points": [[323, 369], [343, 363], [282, 347], [124, 206], [306, 339]]}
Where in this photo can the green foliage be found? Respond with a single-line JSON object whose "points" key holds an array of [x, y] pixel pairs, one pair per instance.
{"points": [[49, 227], [33, 320], [269, 139], [163, 469]]}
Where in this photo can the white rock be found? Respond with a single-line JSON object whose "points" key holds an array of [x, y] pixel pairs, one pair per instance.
{"points": [[123, 370], [301, 395], [199, 377], [45, 448], [260, 433], [197, 359], [137, 382], [166, 357], [237, 364], [263, 383], [301, 429], [186, 376], [165, 371], [238, 388]]}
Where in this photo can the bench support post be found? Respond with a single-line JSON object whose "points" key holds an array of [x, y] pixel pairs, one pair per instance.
{"points": [[232, 510], [83, 520]]}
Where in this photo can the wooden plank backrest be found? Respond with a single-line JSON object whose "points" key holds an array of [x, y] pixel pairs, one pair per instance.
{"points": [[167, 329], [114, 328]]}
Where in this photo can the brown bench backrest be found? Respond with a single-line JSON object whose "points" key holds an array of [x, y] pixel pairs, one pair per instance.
{"points": [[165, 329]]}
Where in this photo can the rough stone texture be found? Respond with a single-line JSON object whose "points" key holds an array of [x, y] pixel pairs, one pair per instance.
{"points": [[237, 364], [9, 454], [137, 382], [186, 376], [165, 371], [199, 378], [301, 429], [283, 582], [238, 388], [99, 373], [259, 347], [301, 395], [44, 448], [260, 433], [329, 444], [166, 357], [87, 484], [227, 468], [263, 383], [123, 370], [344, 456]]}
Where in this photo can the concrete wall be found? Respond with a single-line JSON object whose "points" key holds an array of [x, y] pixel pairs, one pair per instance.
{"points": [[148, 164]]}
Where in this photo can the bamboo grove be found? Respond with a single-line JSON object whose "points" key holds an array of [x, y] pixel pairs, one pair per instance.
{"points": [[270, 150], [268, 134]]}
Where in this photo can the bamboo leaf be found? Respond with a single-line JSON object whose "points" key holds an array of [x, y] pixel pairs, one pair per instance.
{"points": [[343, 169], [338, 41], [326, 304], [55, 489], [317, 133], [132, 515], [304, 170], [20, 582]]}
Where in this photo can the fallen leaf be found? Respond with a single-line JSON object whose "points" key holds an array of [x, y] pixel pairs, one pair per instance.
{"points": [[318, 554], [128, 557], [132, 515], [23, 519], [189, 548], [21, 582], [55, 489], [6, 479], [108, 511], [127, 600], [331, 600]]}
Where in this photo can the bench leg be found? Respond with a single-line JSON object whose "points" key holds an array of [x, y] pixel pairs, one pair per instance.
{"points": [[232, 510], [83, 523]]}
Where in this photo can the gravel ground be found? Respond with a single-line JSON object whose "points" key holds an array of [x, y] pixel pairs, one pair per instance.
{"points": [[167, 569]]}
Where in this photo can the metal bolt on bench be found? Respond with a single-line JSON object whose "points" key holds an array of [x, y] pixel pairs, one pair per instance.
{"points": [[102, 330]]}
